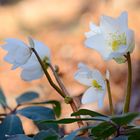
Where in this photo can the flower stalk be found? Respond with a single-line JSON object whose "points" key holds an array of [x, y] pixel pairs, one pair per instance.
{"points": [[71, 102], [129, 85], [63, 91], [47, 74], [110, 97]]}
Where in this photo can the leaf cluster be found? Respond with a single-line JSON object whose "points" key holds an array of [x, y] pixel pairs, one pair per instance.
{"points": [[102, 127], [11, 125]]}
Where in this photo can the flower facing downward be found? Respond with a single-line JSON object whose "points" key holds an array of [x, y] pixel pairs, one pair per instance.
{"points": [[21, 55], [96, 83], [112, 39], [18, 52]]}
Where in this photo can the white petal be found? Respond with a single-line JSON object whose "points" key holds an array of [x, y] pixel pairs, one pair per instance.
{"points": [[122, 49], [130, 40], [84, 74], [18, 52], [96, 74], [101, 99], [42, 49], [89, 34], [13, 41], [93, 27], [32, 69], [111, 25], [29, 75], [10, 57], [89, 96], [31, 64], [93, 30], [9, 47], [12, 44], [15, 66], [123, 20], [83, 77], [22, 55], [108, 24], [83, 66], [98, 43]]}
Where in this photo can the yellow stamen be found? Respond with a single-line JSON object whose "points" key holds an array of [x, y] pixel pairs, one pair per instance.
{"points": [[115, 45], [96, 84], [117, 41]]}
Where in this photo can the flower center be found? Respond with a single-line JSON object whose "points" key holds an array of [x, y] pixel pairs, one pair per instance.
{"points": [[117, 40], [96, 85]]}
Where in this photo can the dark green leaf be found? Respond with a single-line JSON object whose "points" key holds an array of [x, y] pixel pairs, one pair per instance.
{"points": [[87, 112], [121, 138], [82, 138], [56, 106], [103, 130], [2, 99], [27, 97], [125, 118], [47, 135], [19, 137], [10, 126], [73, 135], [133, 133], [37, 113], [72, 120]]}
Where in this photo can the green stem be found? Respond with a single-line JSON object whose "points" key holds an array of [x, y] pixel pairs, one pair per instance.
{"points": [[47, 74], [72, 102], [63, 91], [110, 97], [59, 81], [129, 85]]}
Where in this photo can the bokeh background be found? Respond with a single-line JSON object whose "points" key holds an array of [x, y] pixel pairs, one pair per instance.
{"points": [[61, 25]]}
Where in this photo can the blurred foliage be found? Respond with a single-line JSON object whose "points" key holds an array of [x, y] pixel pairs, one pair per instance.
{"points": [[11, 123], [7, 2]]}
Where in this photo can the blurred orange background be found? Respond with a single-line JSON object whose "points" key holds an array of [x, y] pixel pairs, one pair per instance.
{"points": [[61, 25]]}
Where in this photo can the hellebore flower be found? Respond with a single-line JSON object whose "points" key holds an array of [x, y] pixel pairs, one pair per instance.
{"points": [[21, 55], [112, 38], [18, 52], [94, 80]]}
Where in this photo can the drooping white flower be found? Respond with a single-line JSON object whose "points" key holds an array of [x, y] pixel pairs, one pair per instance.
{"points": [[32, 69], [94, 80], [18, 52], [112, 38], [21, 55]]}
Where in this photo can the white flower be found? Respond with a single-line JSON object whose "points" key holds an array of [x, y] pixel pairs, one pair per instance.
{"points": [[112, 38], [32, 69], [20, 55], [18, 52], [96, 83]]}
